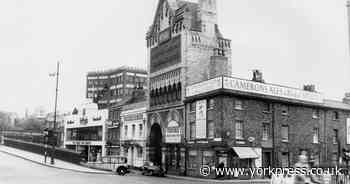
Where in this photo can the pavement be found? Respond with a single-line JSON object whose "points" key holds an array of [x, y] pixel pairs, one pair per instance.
{"points": [[39, 159], [32, 166]]}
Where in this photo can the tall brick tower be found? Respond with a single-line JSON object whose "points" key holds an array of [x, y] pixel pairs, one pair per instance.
{"points": [[184, 46]]}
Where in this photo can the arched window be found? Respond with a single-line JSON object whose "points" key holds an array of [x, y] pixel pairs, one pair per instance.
{"points": [[178, 92]]}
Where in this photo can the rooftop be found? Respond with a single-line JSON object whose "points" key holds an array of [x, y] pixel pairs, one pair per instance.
{"points": [[117, 70]]}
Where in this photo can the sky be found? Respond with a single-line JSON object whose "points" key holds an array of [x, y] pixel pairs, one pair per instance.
{"points": [[292, 42]]}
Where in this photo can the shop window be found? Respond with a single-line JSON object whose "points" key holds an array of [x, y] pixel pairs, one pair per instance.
{"points": [[266, 132], [139, 152], [192, 130], [335, 136], [285, 133], [285, 160], [208, 158], [211, 129], [316, 134], [192, 159], [238, 104], [315, 113], [239, 129]]}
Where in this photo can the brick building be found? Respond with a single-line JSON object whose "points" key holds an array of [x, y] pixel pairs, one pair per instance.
{"points": [[112, 86], [249, 123], [184, 46]]}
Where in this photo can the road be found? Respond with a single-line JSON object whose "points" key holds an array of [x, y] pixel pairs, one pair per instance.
{"points": [[15, 170]]}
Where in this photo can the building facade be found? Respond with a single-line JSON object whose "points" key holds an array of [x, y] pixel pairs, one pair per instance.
{"points": [[244, 124], [184, 46], [133, 133], [85, 131], [109, 87]]}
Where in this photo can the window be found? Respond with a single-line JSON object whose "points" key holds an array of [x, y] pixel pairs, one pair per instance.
{"points": [[238, 104], [211, 104], [266, 107], [266, 132], [193, 107], [192, 159], [140, 130], [285, 133], [285, 160], [334, 158], [126, 131], [192, 130], [211, 129], [316, 136], [133, 130], [335, 136], [239, 129], [335, 115], [139, 152], [315, 114], [284, 110]]}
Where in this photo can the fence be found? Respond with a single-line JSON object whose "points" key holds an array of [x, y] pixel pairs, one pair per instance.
{"points": [[61, 154]]}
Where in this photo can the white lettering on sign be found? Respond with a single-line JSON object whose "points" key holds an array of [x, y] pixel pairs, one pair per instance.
{"points": [[271, 90], [201, 119], [173, 133]]}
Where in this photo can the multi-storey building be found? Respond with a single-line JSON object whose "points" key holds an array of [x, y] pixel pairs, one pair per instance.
{"points": [[109, 87], [85, 131], [133, 132], [243, 123], [185, 46]]}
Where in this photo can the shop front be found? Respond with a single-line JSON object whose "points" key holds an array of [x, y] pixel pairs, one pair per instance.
{"points": [[213, 155]]}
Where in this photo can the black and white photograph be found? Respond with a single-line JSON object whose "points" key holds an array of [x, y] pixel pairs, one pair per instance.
{"points": [[175, 91]]}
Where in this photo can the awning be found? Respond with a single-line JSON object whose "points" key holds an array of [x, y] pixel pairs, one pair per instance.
{"points": [[245, 152]]}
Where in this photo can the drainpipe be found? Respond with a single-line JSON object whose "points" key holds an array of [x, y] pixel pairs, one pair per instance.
{"points": [[274, 153]]}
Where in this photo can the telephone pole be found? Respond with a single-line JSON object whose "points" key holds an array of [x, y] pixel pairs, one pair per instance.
{"points": [[54, 141]]}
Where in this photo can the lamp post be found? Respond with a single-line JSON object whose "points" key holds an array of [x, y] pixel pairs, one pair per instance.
{"points": [[55, 116]]}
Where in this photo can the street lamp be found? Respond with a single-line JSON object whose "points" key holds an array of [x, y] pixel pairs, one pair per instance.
{"points": [[55, 116]]}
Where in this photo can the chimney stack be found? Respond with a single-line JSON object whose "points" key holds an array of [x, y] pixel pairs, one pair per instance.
{"points": [[310, 87], [346, 99], [258, 76]]}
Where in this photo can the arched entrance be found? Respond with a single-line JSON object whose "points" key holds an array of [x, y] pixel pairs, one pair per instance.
{"points": [[155, 141]]}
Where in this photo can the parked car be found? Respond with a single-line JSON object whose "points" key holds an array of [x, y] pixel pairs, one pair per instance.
{"points": [[119, 164], [150, 169]]}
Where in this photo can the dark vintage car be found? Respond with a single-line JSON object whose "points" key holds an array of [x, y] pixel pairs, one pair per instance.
{"points": [[150, 169]]}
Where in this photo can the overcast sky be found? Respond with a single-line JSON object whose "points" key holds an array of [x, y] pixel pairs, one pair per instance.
{"points": [[293, 42]]}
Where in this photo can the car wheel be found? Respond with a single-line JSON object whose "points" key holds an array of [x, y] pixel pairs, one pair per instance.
{"points": [[151, 173], [121, 171]]}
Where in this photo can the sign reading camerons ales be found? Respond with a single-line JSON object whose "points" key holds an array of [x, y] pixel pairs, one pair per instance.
{"points": [[271, 90], [241, 85], [166, 54]]}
